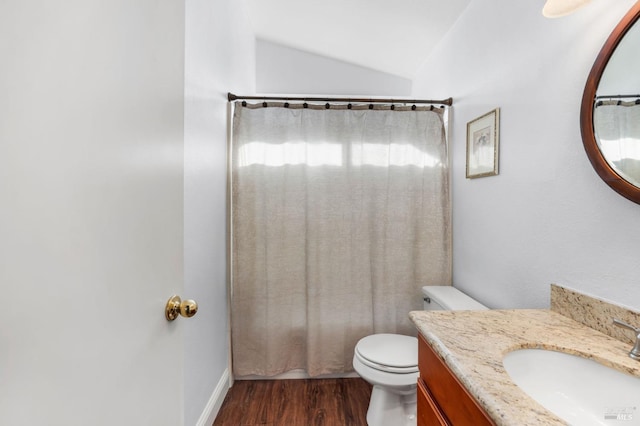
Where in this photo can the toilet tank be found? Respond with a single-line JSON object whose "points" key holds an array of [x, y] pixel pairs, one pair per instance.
{"points": [[447, 298]]}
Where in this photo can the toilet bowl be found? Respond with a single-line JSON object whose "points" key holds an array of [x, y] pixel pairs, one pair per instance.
{"points": [[390, 362]]}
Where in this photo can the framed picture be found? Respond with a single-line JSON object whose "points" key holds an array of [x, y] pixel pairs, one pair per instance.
{"points": [[483, 139]]}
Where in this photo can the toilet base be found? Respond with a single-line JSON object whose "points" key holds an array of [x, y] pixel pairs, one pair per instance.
{"points": [[388, 408]]}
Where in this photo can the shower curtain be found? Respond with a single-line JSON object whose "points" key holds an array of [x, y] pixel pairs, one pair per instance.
{"points": [[339, 217]]}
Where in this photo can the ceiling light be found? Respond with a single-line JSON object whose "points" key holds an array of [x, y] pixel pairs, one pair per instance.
{"points": [[558, 8]]}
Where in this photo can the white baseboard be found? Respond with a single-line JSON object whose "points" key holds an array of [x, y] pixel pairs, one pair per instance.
{"points": [[215, 402]]}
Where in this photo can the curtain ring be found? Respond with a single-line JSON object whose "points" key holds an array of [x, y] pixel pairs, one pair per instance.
{"points": [[413, 107], [370, 106], [305, 105], [244, 103], [327, 106], [349, 106], [286, 104], [393, 107], [264, 104]]}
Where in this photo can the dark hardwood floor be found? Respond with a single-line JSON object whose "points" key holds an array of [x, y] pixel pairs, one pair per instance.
{"points": [[304, 402]]}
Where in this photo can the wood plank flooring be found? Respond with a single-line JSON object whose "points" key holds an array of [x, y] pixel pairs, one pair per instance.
{"points": [[300, 402]]}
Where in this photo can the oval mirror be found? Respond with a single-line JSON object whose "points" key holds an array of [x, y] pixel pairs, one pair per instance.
{"points": [[610, 111]]}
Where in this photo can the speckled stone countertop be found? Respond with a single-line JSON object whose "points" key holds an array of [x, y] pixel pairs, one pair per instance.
{"points": [[473, 344]]}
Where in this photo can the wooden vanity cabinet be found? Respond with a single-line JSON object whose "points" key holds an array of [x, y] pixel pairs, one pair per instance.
{"points": [[428, 411], [442, 400]]}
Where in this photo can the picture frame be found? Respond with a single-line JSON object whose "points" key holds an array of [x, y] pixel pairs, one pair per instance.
{"points": [[483, 143]]}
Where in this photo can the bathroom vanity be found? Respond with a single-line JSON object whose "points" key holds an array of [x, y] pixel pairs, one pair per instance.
{"points": [[465, 382], [442, 400]]}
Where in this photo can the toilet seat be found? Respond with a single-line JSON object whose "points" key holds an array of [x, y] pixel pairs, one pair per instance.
{"points": [[392, 353]]}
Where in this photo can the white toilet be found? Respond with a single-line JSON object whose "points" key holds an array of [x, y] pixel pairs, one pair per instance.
{"points": [[390, 362]]}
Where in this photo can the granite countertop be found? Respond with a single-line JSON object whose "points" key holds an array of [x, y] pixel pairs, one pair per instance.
{"points": [[473, 343]]}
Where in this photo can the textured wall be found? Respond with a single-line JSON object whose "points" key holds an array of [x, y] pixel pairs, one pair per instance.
{"points": [[547, 218]]}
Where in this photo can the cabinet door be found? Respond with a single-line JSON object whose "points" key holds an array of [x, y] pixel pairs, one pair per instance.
{"points": [[457, 405], [428, 411]]}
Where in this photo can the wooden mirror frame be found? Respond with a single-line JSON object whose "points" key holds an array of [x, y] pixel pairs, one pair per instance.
{"points": [[599, 163]]}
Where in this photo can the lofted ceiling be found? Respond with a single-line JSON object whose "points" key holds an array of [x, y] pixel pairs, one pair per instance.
{"points": [[392, 36]]}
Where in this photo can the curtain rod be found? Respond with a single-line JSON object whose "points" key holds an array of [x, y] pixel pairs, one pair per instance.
{"points": [[231, 97], [616, 96]]}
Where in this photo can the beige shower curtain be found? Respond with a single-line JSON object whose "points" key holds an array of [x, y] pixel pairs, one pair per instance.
{"points": [[617, 127], [339, 217]]}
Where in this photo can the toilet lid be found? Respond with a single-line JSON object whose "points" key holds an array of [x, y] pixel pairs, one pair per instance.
{"points": [[389, 352]]}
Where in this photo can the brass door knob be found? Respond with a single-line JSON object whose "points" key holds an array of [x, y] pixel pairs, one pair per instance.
{"points": [[176, 306]]}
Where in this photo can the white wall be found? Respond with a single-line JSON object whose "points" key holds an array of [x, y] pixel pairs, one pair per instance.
{"points": [[220, 51], [547, 218], [284, 70]]}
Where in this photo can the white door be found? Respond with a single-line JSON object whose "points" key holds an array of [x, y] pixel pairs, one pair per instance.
{"points": [[91, 196]]}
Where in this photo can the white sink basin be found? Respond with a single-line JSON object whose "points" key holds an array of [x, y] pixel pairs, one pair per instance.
{"points": [[578, 390]]}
